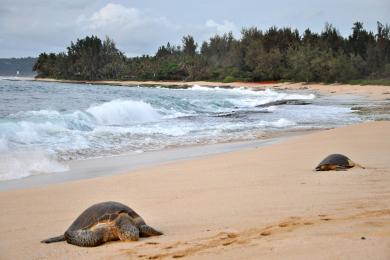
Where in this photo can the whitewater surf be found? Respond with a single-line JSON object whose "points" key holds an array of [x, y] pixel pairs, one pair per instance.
{"points": [[52, 123]]}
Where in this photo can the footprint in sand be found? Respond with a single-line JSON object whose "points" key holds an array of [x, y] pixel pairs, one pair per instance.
{"points": [[284, 224], [266, 233], [178, 255], [232, 235], [229, 243], [152, 243]]}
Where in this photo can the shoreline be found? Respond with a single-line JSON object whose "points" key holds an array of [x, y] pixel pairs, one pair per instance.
{"points": [[116, 165], [90, 168], [260, 201], [374, 92]]}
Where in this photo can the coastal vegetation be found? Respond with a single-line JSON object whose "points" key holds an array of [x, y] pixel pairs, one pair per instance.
{"points": [[271, 55]]}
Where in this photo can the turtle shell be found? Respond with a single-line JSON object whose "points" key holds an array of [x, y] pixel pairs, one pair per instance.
{"points": [[102, 212], [335, 159]]}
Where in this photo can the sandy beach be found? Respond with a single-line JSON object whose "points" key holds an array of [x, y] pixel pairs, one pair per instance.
{"points": [[136, 130], [257, 203]]}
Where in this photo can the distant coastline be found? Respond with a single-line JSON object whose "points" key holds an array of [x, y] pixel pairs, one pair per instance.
{"points": [[17, 67]]}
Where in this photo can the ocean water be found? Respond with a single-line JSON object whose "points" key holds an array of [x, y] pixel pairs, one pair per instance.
{"points": [[43, 125]]}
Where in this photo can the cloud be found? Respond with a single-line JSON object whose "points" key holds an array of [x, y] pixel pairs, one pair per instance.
{"points": [[113, 15], [116, 17], [140, 27], [138, 32], [135, 31], [222, 28]]}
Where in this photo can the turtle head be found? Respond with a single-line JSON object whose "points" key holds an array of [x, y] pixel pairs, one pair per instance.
{"points": [[322, 167]]}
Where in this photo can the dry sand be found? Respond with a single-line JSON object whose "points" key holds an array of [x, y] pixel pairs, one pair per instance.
{"points": [[375, 92], [264, 203]]}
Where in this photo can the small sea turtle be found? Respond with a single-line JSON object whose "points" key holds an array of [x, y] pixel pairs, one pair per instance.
{"points": [[103, 222], [336, 162]]}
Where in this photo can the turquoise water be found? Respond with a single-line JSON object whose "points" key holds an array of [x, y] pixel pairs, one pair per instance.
{"points": [[43, 125]]}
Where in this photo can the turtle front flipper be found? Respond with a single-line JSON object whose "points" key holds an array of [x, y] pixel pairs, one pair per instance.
{"points": [[355, 164], [341, 168], [148, 231], [359, 165], [88, 238], [126, 229]]}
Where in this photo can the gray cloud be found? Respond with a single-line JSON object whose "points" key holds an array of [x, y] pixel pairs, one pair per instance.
{"points": [[30, 27]]}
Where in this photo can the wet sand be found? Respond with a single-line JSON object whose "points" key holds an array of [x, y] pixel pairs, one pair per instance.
{"points": [[110, 165], [261, 202]]}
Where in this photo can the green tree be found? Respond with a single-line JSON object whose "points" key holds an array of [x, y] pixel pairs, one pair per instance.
{"points": [[189, 45]]}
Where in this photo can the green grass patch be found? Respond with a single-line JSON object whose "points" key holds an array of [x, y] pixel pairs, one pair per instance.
{"points": [[229, 79]]}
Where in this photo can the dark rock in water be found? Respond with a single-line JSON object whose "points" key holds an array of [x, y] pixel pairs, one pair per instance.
{"points": [[285, 102], [372, 110], [226, 114], [236, 114]]}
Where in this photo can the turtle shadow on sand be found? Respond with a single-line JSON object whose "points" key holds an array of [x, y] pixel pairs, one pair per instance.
{"points": [[104, 222], [336, 162]]}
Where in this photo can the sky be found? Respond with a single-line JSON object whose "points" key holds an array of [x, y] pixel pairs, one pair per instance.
{"points": [[29, 27]]}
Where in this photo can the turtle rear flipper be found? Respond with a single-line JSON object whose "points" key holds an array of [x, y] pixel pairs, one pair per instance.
{"points": [[54, 239], [148, 231]]}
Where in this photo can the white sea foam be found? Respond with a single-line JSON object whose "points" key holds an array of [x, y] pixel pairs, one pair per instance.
{"points": [[123, 112], [19, 164], [33, 141], [280, 123], [267, 93], [244, 97], [197, 87], [16, 165], [39, 113], [3, 145], [238, 91]]}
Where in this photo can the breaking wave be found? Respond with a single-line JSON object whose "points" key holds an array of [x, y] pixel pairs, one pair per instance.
{"points": [[123, 112], [19, 164], [64, 122]]}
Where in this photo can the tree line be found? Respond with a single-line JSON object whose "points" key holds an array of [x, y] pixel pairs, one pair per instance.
{"points": [[271, 55]]}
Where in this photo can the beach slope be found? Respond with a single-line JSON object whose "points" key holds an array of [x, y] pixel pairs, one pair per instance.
{"points": [[256, 203]]}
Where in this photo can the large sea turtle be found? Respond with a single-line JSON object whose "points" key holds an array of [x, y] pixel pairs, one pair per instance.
{"points": [[103, 222], [336, 162]]}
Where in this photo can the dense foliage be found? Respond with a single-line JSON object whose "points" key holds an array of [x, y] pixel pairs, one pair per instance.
{"points": [[88, 58], [275, 54]]}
